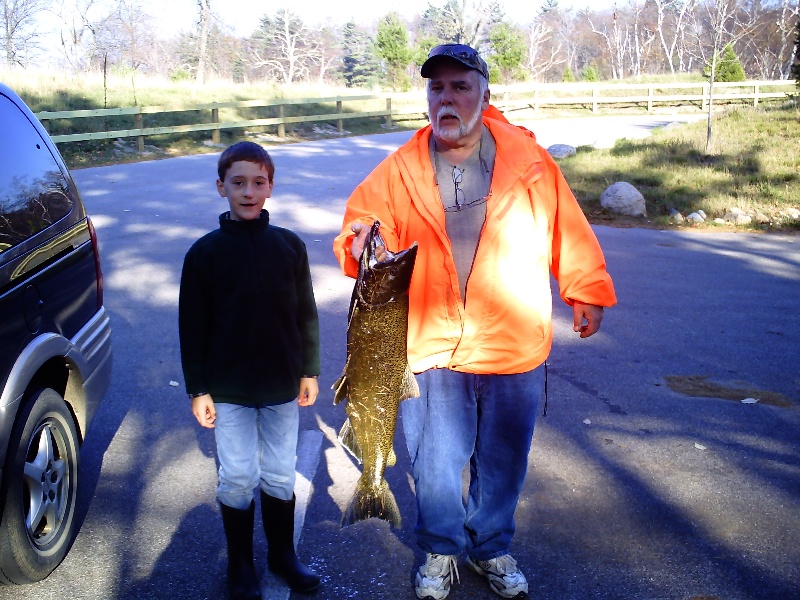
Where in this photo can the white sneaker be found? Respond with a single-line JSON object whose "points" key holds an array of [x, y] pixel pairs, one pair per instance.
{"points": [[504, 577], [435, 577]]}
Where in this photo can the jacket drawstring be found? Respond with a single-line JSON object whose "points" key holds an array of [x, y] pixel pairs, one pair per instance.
{"points": [[544, 412]]}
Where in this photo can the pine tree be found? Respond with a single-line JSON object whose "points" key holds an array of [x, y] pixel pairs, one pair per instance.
{"points": [[568, 76], [729, 68], [508, 52], [392, 46], [359, 64], [590, 73]]}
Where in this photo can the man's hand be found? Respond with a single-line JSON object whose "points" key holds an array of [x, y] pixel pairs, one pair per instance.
{"points": [[204, 410], [309, 388], [357, 247], [587, 318]]}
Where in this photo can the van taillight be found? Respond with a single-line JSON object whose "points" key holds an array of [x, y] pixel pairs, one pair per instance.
{"points": [[98, 271]]}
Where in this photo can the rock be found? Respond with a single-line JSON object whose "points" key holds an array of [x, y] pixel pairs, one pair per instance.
{"points": [[676, 216], [695, 217], [738, 217], [623, 198], [762, 218], [702, 214], [561, 150], [720, 222]]}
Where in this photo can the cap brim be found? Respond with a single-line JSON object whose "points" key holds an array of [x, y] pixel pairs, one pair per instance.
{"points": [[429, 64]]}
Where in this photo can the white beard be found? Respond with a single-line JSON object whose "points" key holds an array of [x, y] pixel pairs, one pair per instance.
{"points": [[453, 135]]}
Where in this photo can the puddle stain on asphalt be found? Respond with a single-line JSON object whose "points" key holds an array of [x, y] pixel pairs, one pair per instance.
{"points": [[699, 386]]}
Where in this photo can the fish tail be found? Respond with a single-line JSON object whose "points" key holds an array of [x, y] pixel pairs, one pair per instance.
{"points": [[368, 503]]}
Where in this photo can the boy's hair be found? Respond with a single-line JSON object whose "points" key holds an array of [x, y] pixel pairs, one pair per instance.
{"points": [[249, 151]]}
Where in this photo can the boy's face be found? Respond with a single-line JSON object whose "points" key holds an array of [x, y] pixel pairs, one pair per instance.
{"points": [[246, 186]]}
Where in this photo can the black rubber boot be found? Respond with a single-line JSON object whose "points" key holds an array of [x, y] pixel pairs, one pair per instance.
{"points": [[278, 518], [242, 581]]}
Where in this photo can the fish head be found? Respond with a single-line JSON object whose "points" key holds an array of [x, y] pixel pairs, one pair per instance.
{"points": [[382, 281]]}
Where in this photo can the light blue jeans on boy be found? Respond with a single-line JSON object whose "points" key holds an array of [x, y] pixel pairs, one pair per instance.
{"points": [[488, 421], [256, 446]]}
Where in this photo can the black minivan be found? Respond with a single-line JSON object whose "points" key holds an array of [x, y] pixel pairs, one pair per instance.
{"points": [[55, 345]]}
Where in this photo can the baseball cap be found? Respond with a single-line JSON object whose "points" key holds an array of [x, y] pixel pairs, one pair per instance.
{"points": [[462, 53]]}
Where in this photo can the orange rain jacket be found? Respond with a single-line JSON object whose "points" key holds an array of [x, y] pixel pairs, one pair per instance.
{"points": [[533, 226], [494, 113]]}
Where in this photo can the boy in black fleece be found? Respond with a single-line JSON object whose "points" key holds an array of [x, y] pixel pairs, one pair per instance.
{"points": [[249, 335]]}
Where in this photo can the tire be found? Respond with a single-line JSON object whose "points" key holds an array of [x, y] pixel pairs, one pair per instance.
{"points": [[40, 484]]}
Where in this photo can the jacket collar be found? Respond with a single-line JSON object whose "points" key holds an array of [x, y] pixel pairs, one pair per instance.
{"points": [[518, 157], [229, 225]]}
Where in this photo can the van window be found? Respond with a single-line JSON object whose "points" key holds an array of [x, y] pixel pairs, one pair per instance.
{"points": [[33, 191]]}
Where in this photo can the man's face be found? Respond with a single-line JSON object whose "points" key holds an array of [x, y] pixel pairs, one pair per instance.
{"points": [[247, 187], [455, 102]]}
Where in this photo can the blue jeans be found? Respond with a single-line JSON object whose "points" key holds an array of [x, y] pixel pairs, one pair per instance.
{"points": [[256, 446], [488, 421]]}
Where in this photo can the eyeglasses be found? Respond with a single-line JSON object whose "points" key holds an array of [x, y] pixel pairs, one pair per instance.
{"points": [[458, 176], [464, 54]]}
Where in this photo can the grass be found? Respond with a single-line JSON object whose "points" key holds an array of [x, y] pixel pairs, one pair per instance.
{"points": [[754, 164]]}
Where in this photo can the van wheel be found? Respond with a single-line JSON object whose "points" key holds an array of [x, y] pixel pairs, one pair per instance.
{"points": [[40, 484]]}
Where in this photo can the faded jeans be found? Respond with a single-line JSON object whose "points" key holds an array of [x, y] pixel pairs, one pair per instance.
{"points": [[488, 421], [256, 446]]}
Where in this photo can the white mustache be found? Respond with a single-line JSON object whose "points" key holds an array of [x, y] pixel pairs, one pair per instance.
{"points": [[447, 111]]}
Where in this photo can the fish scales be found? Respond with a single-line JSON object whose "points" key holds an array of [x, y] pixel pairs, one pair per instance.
{"points": [[376, 376]]}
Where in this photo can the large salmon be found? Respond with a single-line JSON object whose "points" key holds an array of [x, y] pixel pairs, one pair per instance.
{"points": [[376, 376]]}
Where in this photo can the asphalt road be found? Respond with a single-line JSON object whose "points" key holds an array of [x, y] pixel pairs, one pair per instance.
{"points": [[634, 490]]}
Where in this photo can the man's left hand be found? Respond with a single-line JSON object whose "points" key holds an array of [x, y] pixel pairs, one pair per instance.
{"points": [[587, 318]]}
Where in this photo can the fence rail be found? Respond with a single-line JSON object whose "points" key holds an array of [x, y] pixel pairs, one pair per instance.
{"points": [[510, 98]]}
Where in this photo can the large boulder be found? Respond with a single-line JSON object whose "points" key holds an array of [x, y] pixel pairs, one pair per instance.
{"points": [[624, 199], [560, 150]]}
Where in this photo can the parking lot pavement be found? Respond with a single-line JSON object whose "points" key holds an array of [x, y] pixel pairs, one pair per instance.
{"points": [[634, 490]]}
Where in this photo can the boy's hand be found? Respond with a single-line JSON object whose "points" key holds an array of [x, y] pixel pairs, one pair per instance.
{"points": [[309, 388], [204, 410]]}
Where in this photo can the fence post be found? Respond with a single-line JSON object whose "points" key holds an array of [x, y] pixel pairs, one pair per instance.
{"points": [[594, 100], [281, 125], [536, 99], [706, 91], [339, 125], [389, 116], [215, 119], [138, 123], [755, 96], [649, 98]]}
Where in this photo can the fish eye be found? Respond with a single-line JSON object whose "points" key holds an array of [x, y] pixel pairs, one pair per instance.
{"points": [[393, 271]]}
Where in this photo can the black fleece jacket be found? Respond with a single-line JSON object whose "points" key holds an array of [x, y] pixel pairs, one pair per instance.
{"points": [[247, 316]]}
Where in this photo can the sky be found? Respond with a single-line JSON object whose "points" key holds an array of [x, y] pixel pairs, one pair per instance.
{"points": [[244, 15]]}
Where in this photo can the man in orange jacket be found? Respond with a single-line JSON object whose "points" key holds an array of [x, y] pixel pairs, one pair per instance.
{"points": [[493, 217]]}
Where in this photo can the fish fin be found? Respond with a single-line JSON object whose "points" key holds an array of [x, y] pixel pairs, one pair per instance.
{"points": [[368, 504], [409, 388], [347, 438], [341, 387]]}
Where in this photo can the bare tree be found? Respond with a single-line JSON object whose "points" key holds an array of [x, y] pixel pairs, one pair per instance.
{"points": [[327, 56], [725, 28], [616, 41], [672, 12], [285, 47], [19, 29], [770, 46], [82, 22], [459, 21], [544, 52], [202, 41]]}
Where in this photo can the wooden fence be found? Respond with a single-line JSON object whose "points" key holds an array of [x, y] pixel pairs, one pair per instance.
{"points": [[516, 98]]}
